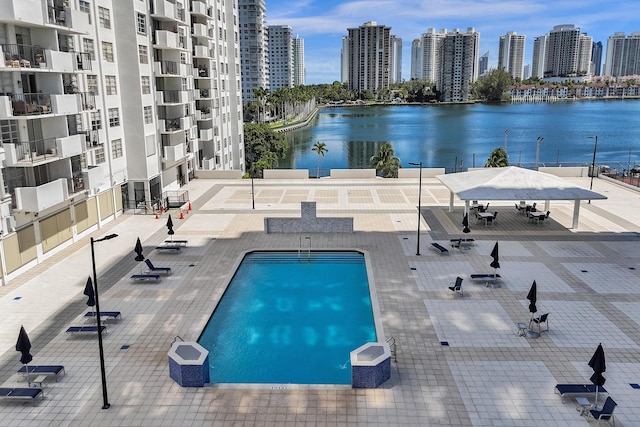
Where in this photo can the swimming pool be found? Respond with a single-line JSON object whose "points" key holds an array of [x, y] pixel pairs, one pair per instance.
{"points": [[289, 318]]}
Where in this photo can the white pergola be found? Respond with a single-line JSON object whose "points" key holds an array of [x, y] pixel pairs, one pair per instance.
{"points": [[514, 183]]}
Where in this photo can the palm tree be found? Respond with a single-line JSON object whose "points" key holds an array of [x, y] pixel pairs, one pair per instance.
{"points": [[385, 162], [320, 148], [497, 159]]}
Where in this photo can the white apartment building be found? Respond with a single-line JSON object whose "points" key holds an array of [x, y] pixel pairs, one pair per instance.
{"points": [[299, 72], [344, 60], [396, 59], [511, 54], [416, 59], [369, 57], [431, 54], [105, 108], [459, 66], [568, 53], [254, 48], [623, 55], [539, 50], [280, 57]]}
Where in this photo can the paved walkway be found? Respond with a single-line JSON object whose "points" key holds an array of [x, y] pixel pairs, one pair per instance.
{"points": [[485, 375]]}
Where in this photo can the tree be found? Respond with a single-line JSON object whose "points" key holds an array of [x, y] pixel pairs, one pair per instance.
{"points": [[492, 86], [497, 159], [320, 148], [261, 95], [263, 147], [385, 162]]}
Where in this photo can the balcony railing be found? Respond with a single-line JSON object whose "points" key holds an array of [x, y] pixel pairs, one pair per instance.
{"points": [[58, 15], [172, 125], [31, 104], [169, 67], [24, 56], [87, 100], [35, 151], [83, 61], [92, 138]]}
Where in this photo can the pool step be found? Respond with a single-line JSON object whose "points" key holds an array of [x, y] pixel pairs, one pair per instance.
{"points": [[320, 257]]}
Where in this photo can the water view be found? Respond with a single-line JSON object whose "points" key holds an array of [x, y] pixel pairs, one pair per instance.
{"points": [[451, 136]]}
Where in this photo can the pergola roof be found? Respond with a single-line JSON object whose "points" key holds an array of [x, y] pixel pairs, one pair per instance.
{"points": [[514, 183]]}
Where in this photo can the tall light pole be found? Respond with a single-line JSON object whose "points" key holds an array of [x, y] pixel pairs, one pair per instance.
{"points": [[593, 162], [506, 136], [105, 397], [538, 149], [419, 203]]}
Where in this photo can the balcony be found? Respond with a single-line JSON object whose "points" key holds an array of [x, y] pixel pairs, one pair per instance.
{"points": [[203, 72], [27, 153], [31, 104], [68, 146], [23, 56], [201, 52], [204, 114], [174, 153], [37, 199], [93, 177], [200, 30], [204, 94], [164, 39], [164, 10], [200, 8], [206, 134], [174, 97], [166, 68]]}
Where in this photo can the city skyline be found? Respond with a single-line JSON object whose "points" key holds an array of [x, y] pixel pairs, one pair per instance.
{"points": [[323, 23]]}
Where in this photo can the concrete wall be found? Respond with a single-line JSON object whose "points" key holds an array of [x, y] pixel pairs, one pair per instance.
{"points": [[286, 174], [415, 172], [566, 172], [204, 174], [353, 173]]}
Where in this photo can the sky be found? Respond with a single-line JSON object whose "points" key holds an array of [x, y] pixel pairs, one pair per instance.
{"points": [[323, 23]]}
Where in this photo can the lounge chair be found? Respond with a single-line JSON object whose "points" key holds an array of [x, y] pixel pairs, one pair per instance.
{"points": [[457, 287], [573, 390], [538, 321], [154, 269], [145, 277], [104, 315], [85, 329], [175, 248], [606, 413], [56, 370], [439, 248], [23, 393]]}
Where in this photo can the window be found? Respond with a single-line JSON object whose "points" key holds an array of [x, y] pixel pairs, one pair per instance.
{"points": [[110, 82], [96, 120], [145, 81], [89, 48], [84, 6], [143, 54], [103, 17], [114, 117], [107, 51], [116, 148], [92, 84], [148, 115], [141, 22], [100, 155]]}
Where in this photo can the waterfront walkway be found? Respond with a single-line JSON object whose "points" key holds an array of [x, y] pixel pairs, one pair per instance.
{"points": [[485, 375]]}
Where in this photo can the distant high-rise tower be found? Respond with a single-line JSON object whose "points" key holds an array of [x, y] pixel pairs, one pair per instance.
{"points": [[369, 57], [596, 59], [568, 52], [539, 50], [584, 54], [459, 66], [431, 54], [344, 60], [623, 55], [511, 54], [396, 59], [280, 57], [254, 50], [416, 59], [527, 71], [299, 73], [483, 64]]}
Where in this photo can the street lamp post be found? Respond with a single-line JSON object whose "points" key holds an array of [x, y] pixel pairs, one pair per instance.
{"points": [[105, 397], [593, 162], [506, 136], [538, 149], [419, 203]]}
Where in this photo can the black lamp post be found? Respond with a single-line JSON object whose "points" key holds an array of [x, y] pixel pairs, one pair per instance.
{"points": [[593, 162], [419, 202], [105, 397]]}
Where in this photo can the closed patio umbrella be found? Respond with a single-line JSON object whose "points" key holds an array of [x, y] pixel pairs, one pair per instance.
{"points": [[532, 296], [24, 346], [170, 231], [598, 364], [138, 252], [90, 293], [495, 264], [465, 224]]}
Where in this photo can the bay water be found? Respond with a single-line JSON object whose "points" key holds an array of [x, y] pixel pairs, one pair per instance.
{"points": [[457, 137]]}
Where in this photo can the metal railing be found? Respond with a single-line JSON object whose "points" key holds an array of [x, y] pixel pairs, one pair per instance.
{"points": [[23, 56], [57, 15], [392, 346], [31, 104], [169, 67], [35, 151]]}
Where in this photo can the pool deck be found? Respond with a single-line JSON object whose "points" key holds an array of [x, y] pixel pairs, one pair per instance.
{"points": [[588, 280]]}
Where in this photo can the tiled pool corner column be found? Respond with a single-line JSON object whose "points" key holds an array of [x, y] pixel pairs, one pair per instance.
{"points": [[189, 364], [370, 365]]}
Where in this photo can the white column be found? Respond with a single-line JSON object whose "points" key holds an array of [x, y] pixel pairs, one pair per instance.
{"points": [[576, 213]]}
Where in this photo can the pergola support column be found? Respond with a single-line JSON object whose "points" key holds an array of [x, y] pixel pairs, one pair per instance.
{"points": [[451, 198], [576, 213]]}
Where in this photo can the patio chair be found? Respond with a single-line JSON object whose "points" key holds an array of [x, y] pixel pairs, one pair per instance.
{"points": [[56, 370], [538, 321], [606, 413], [154, 269], [457, 287]]}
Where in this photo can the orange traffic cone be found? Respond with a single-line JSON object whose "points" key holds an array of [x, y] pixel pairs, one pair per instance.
{"points": [[157, 215], [162, 209], [181, 216], [189, 205]]}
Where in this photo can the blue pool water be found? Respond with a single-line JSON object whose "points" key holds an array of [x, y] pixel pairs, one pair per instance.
{"points": [[290, 319]]}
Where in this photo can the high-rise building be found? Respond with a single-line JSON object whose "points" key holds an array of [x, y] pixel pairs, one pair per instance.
{"points": [[483, 64], [459, 66], [369, 57], [568, 53], [623, 55], [539, 51], [254, 49], [280, 57], [109, 106], [596, 59], [416, 59], [584, 55], [396, 59], [511, 54], [431, 51], [299, 72], [344, 60]]}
